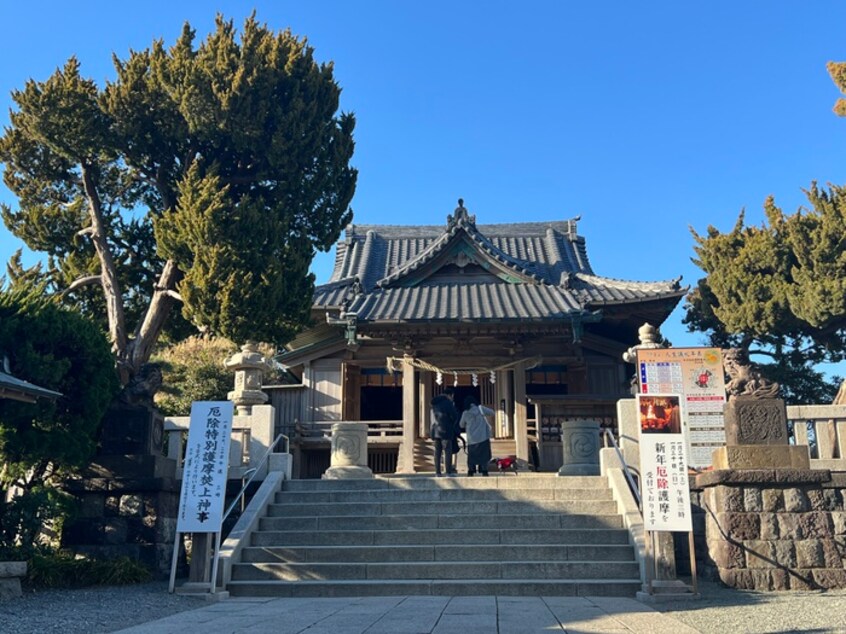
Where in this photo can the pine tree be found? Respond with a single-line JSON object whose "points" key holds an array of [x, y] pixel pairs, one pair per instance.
{"points": [[202, 176]]}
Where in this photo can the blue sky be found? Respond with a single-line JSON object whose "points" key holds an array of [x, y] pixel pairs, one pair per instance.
{"points": [[642, 118]]}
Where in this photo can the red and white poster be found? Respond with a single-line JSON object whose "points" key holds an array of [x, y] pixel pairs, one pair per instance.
{"points": [[696, 374], [665, 493]]}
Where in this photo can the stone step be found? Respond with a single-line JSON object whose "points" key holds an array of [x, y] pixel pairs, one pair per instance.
{"points": [[440, 536], [444, 553], [467, 587], [437, 570], [445, 521], [470, 507], [440, 495], [418, 482]]}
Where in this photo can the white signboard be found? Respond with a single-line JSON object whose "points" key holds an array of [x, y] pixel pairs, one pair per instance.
{"points": [[663, 464], [696, 374], [205, 467]]}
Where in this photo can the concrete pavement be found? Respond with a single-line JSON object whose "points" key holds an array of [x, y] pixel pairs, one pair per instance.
{"points": [[420, 615]]}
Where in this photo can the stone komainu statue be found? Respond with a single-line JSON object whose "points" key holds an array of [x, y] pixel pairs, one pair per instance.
{"points": [[143, 386], [744, 378]]}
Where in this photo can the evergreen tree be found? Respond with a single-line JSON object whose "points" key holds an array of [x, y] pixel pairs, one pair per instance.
{"points": [[779, 290], [205, 176], [41, 442]]}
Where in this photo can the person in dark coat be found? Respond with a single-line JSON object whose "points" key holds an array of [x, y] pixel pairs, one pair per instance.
{"points": [[444, 430]]}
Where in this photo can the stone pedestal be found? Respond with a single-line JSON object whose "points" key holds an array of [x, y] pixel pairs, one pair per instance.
{"points": [[580, 443], [755, 421], [349, 452], [131, 430], [761, 457], [128, 496]]}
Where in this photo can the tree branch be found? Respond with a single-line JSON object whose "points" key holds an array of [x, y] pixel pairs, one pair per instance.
{"points": [[82, 281], [164, 297]]}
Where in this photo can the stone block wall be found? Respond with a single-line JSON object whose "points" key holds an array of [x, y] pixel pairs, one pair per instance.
{"points": [[771, 529], [133, 518]]}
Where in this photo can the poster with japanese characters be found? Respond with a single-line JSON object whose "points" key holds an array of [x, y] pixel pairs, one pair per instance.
{"points": [[205, 467], [664, 489], [697, 375]]}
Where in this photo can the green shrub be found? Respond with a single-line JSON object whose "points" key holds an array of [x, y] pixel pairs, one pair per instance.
{"points": [[193, 370], [63, 570], [45, 441]]}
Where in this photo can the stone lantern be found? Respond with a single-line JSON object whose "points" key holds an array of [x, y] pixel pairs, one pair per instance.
{"points": [[249, 366]]}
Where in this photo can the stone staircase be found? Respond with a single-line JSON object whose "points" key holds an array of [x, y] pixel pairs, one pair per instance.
{"points": [[524, 534]]}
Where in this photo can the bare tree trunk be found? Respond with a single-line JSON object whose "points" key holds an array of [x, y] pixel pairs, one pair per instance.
{"points": [[108, 271], [840, 397], [164, 297]]}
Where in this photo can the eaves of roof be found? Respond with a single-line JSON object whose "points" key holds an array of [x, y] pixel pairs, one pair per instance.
{"points": [[20, 390], [469, 303]]}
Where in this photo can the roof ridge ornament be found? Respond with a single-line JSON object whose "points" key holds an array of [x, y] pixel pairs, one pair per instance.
{"points": [[461, 216]]}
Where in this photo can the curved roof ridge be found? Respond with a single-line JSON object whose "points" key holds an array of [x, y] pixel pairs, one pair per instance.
{"points": [[461, 221], [674, 284], [503, 228]]}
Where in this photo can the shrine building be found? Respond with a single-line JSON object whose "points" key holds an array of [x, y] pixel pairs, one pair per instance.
{"points": [[512, 313]]}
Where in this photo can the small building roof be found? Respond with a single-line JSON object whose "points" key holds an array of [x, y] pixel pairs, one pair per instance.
{"points": [[20, 390]]}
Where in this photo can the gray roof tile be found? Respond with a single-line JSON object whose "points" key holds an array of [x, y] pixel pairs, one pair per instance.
{"points": [[550, 257]]}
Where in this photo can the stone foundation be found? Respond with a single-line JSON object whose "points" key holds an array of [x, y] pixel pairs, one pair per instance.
{"points": [[771, 529], [129, 495], [11, 573], [135, 517]]}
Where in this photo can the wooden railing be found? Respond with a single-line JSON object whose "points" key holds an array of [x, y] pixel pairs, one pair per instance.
{"points": [[823, 429], [377, 430]]}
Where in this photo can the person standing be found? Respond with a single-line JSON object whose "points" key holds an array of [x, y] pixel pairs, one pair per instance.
{"points": [[474, 422], [444, 430]]}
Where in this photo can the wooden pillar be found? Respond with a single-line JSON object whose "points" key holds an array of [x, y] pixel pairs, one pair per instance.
{"points": [[521, 438], [351, 392], [307, 403], [425, 391], [504, 418], [409, 408]]}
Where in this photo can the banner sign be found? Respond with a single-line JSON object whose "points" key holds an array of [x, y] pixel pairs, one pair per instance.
{"points": [[205, 468], [697, 375], [663, 464]]}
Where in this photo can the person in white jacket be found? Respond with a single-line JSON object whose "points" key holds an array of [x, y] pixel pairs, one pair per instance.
{"points": [[478, 430]]}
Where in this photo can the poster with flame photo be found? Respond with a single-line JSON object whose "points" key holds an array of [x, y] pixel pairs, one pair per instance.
{"points": [[697, 375], [663, 464]]}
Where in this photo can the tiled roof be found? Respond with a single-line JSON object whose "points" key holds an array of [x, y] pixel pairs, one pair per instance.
{"points": [[381, 273], [594, 290], [466, 302], [373, 252]]}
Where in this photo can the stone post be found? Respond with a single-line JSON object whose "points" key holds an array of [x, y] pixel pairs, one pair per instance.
{"points": [[249, 366], [580, 443], [348, 452]]}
